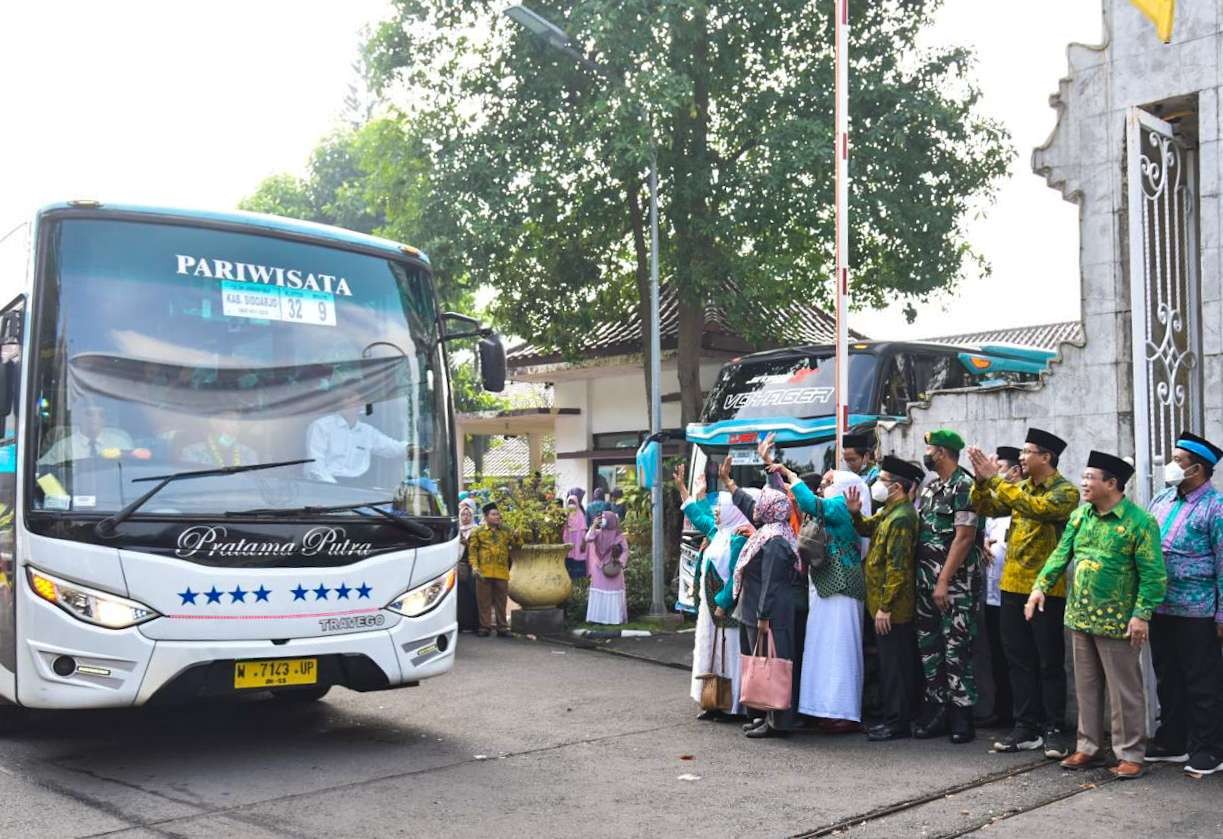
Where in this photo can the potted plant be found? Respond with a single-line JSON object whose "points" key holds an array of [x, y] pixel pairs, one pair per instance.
{"points": [[538, 578]]}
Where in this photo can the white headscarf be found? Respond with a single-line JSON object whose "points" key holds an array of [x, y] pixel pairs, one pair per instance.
{"points": [[730, 519], [842, 480]]}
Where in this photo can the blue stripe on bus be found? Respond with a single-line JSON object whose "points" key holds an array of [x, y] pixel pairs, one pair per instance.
{"points": [[787, 429]]}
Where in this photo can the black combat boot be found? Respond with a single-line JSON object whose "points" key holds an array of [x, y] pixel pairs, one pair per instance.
{"points": [[962, 728], [932, 724]]}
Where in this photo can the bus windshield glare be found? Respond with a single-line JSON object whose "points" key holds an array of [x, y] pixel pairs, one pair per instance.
{"points": [[789, 386], [164, 348]]}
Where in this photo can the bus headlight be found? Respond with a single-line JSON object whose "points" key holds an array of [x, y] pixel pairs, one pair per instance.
{"points": [[416, 601], [87, 604]]}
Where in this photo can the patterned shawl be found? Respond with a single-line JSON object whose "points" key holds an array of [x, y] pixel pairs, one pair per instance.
{"points": [[772, 516]]}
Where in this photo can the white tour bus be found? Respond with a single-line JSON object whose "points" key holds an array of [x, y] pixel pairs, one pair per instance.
{"points": [[226, 459]]}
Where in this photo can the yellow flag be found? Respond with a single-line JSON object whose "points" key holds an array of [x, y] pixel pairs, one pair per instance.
{"points": [[1160, 13]]}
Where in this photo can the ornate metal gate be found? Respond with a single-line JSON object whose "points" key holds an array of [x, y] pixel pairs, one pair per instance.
{"points": [[1164, 293]]}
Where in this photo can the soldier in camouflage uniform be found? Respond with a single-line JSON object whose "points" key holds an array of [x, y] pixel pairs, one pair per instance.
{"points": [[949, 537]]}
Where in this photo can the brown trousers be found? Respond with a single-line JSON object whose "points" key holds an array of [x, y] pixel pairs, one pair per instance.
{"points": [[1112, 665], [492, 595]]}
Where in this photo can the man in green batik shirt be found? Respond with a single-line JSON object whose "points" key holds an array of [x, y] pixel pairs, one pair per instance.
{"points": [[949, 537], [1119, 580], [889, 589]]}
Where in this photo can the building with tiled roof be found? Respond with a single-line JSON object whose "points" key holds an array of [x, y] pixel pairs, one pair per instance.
{"points": [[1045, 336]]}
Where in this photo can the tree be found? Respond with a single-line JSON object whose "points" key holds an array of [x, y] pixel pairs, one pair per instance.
{"points": [[539, 162]]}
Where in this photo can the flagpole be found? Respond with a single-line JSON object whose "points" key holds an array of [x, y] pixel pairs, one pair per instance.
{"points": [[841, 17]]}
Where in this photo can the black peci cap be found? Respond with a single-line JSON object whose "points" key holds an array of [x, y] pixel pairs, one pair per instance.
{"points": [[1200, 446], [1008, 453], [1110, 463], [902, 468], [489, 507], [857, 441], [1048, 442]]}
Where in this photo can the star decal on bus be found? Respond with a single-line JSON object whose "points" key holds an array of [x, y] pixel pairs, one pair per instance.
{"points": [[299, 593], [237, 595], [342, 591], [261, 594], [320, 593], [188, 596], [213, 595]]}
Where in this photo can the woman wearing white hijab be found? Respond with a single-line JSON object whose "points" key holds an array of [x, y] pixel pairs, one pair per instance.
{"points": [[832, 670], [717, 633]]}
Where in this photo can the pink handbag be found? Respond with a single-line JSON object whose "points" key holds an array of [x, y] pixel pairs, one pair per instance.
{"points": [[765, 681]]}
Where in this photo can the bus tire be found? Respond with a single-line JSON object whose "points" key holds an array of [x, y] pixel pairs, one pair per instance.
{"points": [[301, 695]]}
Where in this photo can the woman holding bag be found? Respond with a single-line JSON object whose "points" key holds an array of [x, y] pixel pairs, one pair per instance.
{"points": [[764, 580], [607, 554], [715, 652]]}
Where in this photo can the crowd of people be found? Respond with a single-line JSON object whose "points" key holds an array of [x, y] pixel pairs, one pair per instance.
{"points": [[598, 550], [971, 565]]}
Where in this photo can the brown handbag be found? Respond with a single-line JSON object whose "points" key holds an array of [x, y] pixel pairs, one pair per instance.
{"points": [[716, 693]]}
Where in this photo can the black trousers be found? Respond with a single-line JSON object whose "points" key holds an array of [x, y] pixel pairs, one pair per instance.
{"points": [[1036, 656], [1004, 703], [789, 628], [898, 674], [1189, 680]]}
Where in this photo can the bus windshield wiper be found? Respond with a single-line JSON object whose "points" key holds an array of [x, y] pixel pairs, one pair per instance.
{"points": [[106, 527], [409, 524]]}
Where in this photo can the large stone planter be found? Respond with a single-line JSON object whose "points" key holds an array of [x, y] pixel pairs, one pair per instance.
{"points": [[538, 578]]}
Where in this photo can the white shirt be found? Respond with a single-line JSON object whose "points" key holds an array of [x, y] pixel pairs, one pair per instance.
{"points": [[77, 446], [341, 450], [995, 530]]}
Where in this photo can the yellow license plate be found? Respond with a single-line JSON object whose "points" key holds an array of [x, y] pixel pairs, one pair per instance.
{"points": [[275, 673]]}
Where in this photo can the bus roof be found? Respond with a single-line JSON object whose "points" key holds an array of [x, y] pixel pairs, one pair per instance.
{"points": [[274, 224], [875, 347]]}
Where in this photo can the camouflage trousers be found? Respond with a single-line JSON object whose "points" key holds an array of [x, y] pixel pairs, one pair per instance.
{"points": [[944, 639]]}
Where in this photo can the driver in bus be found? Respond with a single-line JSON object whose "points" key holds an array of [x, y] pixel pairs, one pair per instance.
{"points": [[222, 447], [90, 436], [340, 446]]}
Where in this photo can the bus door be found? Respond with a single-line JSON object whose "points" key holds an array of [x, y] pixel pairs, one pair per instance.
{"points": [[11, 325]]}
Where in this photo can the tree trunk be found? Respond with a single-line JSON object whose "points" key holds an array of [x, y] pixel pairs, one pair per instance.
{"points": [[691, 329]]}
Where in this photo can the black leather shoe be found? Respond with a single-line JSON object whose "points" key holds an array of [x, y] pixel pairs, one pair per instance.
{"points": [[935, 725], [883, 733], [962, 728], [754, 723], [764, 732]]}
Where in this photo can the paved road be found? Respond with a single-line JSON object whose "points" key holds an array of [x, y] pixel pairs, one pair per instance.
{"points": [[531, 739]]}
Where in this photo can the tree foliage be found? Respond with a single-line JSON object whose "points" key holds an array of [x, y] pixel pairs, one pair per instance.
{"points": [[538, 162]]}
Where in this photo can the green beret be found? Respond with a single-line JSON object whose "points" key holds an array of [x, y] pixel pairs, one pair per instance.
{"points": [[946, 438]]}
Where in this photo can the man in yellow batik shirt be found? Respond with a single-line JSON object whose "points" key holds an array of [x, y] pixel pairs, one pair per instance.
{"points": [[1035, 652], [488, 552]]}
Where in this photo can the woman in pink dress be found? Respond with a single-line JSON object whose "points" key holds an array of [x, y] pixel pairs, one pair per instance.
{"points": [[575, 536], [607, 555]]}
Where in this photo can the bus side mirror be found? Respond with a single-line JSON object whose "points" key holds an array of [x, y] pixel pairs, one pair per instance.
{"points": [[492, 363]]}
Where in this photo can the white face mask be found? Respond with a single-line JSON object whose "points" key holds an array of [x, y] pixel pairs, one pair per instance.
{"points": [[1173, 473], [880, 492]]}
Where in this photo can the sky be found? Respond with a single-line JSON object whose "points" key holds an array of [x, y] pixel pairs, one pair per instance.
{"points": [[193, 104]]}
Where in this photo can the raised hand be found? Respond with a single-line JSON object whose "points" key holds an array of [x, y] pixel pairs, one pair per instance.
{"points": [[724, 472], [853, 500], [681, 486], [699, 486], [765, 448]]}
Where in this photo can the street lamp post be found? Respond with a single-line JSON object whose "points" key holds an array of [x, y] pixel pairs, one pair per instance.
{"points": [[558, 39]]}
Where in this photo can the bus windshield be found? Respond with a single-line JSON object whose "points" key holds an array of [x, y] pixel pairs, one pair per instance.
{"points": [[164, 348]]}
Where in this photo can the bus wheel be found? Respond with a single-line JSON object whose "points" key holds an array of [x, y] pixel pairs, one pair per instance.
{"points": [[313, 694]]}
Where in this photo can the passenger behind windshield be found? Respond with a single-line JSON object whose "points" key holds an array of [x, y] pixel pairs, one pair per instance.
{"points": [[340, 446], [222, 446], [92, 435]]}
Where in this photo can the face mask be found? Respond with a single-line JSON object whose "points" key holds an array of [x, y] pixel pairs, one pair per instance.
{"points": [[1173, 473], [880, 492], [928, 461]]}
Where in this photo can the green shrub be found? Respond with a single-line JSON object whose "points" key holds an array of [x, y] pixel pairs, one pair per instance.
{"points": [[575, 606]]}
